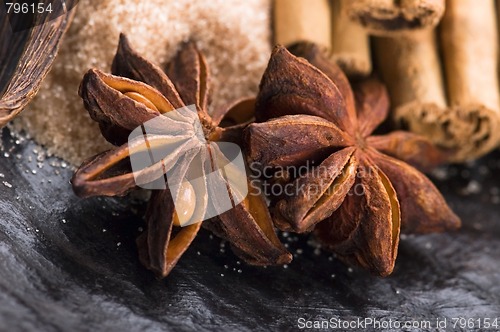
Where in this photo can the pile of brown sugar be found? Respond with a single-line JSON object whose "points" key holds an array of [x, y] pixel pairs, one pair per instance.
{"points": [[234, 36]]}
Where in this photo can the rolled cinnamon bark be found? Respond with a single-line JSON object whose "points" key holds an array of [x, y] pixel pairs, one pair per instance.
{"points": [[302, 20], [410, 67], [385, 17], [324, 23], [468, 123], [350, 45], [469, 40]]}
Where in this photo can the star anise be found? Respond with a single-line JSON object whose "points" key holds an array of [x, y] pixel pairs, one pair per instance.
{"points": [[140, 95], [361, 192]]}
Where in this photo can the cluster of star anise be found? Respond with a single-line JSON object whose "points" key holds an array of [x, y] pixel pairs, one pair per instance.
{"points": [[356, 194]]}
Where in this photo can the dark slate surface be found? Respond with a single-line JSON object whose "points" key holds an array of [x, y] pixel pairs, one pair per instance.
{"points": [[68, 264]]}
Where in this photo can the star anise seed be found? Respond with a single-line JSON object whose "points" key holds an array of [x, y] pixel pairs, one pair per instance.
{"points": [[138, 92], [358, 196]]}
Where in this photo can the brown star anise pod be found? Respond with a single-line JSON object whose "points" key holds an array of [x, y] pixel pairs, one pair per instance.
{"points": [[361, 192], [138, 93]]}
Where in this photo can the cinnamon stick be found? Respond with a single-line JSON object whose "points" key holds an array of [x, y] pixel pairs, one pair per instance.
{"points": [[302, 20], [323, 22], [385, 17], [350, 45], [467, 122], [469, 41], [410, 67]]}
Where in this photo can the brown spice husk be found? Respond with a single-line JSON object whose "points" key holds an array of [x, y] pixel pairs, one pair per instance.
{"points": [[137, 93], [31, 52], [307, 111], [389, 17], [350, 46]]}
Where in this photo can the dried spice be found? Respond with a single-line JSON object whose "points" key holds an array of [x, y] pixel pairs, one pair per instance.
{"points": [[26, 55], [361, 192], [443, 84], [139, 91], [390, 17], [325, 23]]}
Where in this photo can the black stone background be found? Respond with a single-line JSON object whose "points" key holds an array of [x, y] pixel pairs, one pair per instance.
{"points": [[68, 264]]}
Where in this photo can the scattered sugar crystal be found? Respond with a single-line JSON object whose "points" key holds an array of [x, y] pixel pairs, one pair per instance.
{"points": [[470, 163], [477, 226], [473, 187], [483, 170], [440, 173]]}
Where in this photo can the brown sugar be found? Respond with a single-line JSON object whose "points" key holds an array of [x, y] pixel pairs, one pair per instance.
{"points": [[234, 36]]}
